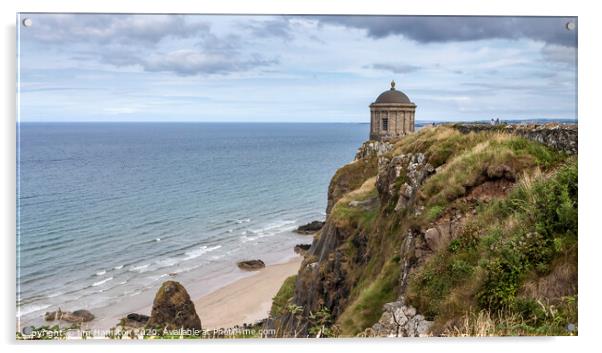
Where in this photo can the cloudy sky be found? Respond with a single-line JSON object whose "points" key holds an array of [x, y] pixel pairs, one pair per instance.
{"points": [[292, 68]]}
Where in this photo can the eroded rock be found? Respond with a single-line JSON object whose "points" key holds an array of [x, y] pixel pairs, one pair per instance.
{"points": [[401, 177], [251, 265], [173, 309], [302, 248], [77, 316], [310, 228], [400, 320], [439, 235], [135, 320], [373, 149]]}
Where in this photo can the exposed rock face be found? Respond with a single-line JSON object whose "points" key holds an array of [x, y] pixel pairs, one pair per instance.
{"points": [[310, 228], [562, 137], [173, 309], [325, 279], [322, 282], [439, 235], [401, 177], [251, 265], [399, 320], [381, 230], [77, 316], [373, 149]]}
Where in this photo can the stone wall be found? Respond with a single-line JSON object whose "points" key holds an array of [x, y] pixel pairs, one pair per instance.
{"points": [[562, 137], [400, 119]]}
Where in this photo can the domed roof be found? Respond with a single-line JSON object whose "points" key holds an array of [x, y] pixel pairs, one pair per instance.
{"points": [[393, 96]]}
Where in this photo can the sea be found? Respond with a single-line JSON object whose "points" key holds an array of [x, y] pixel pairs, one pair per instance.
{"points": [[108, 211]]}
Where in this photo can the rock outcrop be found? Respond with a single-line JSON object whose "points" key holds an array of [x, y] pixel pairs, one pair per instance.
{"points": [[390, 212], [400, 177], [77, 316], [372, 148], [399, 320], [251, 265], [326, 278], [173, 309], [135, 320], [302, 248], [310, 228]]}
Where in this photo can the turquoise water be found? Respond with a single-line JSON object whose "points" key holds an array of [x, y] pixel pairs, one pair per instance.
{"points": [[107, 211]]}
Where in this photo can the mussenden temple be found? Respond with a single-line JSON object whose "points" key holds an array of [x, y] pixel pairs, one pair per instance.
{"points": [[391, 115]]}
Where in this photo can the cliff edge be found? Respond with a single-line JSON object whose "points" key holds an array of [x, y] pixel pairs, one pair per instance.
{"points": [[454, 230]]}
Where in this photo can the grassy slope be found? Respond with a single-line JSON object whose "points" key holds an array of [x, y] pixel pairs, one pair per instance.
{"points": [[483, 281], [282, 298]]}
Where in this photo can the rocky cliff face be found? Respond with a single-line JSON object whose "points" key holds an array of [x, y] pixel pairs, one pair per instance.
{"points": [[401, 209]]}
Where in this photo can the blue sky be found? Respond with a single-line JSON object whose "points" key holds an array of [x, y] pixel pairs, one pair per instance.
{"points": [[293, 68]]}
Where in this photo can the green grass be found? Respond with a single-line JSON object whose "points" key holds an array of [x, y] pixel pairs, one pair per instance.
{"points": [[344, 214], [483, 161], [285, 293], [558, 320], [367, 309], [508, 242], [350, 177]]}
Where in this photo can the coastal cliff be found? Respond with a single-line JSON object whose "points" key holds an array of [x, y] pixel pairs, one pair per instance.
{"points": [[453, 230]]}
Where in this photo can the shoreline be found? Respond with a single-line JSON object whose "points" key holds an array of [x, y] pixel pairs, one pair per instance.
{"points": [[246, 300]]}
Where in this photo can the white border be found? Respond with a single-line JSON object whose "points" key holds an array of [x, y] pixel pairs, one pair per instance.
{"points": [[589, 126]]}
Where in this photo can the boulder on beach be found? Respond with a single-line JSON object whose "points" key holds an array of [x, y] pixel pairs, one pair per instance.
{"points": [[138, 317], [302, 248], [251, 265], [76, 316], [135, 320], [173, 309], [310, 228], [50, 316]]}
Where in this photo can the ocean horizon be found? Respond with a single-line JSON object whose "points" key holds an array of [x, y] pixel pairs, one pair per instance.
{"points": [[107, 211]]}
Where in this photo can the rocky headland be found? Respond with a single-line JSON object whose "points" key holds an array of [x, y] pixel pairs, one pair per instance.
{"points": [[460, 229]]}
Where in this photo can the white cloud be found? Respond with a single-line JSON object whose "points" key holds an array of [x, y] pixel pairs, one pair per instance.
{"points": [[254, 68]]}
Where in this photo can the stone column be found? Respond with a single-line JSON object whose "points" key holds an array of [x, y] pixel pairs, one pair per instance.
{"points": [[402, 119]]}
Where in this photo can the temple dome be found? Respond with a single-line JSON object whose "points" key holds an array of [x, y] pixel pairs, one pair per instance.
{"points": [[392, 96]]}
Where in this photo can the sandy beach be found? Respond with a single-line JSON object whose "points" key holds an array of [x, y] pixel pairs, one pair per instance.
{"points": [[246, 300]]}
